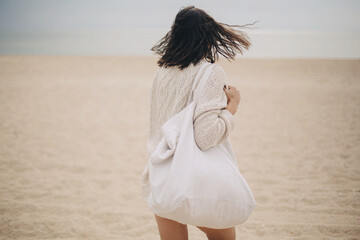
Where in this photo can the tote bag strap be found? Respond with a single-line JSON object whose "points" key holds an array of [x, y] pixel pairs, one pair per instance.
{"points": [[197, 92], [198, 75]]}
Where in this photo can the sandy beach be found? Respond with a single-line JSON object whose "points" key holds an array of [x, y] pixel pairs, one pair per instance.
{"points": [[73, 134]]}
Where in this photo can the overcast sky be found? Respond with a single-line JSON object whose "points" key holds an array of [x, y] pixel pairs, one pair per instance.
{"points": [[313, 15]]}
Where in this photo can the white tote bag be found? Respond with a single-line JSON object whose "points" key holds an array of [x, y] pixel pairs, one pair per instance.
{"points": [[191, 186]]}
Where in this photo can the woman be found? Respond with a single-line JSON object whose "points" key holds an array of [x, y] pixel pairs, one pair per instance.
{"points": [[195, 37]]}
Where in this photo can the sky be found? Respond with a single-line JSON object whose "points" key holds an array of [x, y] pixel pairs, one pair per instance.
{"points": [[283, 29], [305, 15]]}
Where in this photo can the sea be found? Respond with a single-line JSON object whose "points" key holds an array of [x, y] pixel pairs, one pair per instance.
{"points": [[266, 43]]}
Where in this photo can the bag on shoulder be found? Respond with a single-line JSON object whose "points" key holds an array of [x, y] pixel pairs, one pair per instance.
{"points": [[191, 186]]}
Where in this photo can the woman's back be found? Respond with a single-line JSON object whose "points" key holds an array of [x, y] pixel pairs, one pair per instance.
{"points": [[171, 92]]}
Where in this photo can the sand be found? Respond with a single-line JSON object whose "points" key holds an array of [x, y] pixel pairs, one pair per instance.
{"points": [[73, 134]]}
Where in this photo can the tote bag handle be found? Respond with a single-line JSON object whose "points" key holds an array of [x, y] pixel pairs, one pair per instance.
{"points": [[196, 92]]}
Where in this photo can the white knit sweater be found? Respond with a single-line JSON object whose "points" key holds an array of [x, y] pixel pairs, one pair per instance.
{"points": [[171, 92]]}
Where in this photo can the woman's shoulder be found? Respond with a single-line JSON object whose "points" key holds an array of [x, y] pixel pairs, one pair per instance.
{"points": [[217, 74], [218, 70]]}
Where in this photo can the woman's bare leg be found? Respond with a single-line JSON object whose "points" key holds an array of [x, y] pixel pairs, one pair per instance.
{"points": [[219, 234], [171, 230]]}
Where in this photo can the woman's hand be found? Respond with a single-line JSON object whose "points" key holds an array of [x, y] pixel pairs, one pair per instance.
{"points": [[233, 96]]}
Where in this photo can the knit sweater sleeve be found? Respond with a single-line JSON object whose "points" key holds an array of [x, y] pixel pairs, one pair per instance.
{"points": [[212, 122]]}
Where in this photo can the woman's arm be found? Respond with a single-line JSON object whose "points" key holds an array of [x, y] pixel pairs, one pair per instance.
{"points": [[212, 121]]}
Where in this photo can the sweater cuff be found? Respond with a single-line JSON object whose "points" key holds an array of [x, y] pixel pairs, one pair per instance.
{"points": [[229, 118]]}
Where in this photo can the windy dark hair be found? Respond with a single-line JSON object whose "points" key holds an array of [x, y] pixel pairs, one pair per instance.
{"points": [[195, 35]]}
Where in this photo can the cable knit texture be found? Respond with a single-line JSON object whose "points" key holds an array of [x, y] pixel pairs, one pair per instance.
{"points": [[171, 92]]}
